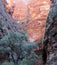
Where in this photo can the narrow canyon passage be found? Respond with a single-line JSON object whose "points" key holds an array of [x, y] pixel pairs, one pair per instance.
{"points": [[34, 13], [28, 32]]}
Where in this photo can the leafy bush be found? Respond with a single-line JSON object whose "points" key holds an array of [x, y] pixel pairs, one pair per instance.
{"points": [[7, 63], [30, 60], [14, 44]]}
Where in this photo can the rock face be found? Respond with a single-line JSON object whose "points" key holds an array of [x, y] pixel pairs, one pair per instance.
{"points": [[36, 21], [34, 13], [6, 21], [51, 36], [39, 10], [20, 11]]}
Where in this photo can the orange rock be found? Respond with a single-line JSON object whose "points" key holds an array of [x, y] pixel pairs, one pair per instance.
{"points": [[20, 11], [39, 10], [35, 12]]}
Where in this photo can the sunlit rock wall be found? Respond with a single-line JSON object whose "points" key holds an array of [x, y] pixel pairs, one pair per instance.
{"points": [[35, 13], [20, 11], [39, 10]]}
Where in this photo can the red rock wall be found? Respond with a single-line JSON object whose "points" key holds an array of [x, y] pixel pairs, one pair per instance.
{"points": [[39, 10], [35, 12]]}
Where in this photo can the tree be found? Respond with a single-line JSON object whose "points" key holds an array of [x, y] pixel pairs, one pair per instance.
{"points": [[32, 59], [14, 45]]}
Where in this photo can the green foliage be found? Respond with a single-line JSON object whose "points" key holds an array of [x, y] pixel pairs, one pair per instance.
{"points": [[28, 47], [7, 63], [16, 37], [14, 43], [13, 37], [7, 49], [30, 60], [5, 41]]}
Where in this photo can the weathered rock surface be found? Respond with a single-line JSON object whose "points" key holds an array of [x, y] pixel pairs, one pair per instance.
{"points": [[51, 36], [33, 14], [7, 23], [50, 40]]}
